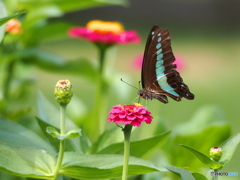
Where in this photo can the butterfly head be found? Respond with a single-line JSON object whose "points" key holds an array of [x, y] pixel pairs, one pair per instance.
{"points": [[142, 93], [148, 94]]}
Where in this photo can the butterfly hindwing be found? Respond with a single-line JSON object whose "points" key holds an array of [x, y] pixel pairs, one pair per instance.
{"points": [[159, 75]]}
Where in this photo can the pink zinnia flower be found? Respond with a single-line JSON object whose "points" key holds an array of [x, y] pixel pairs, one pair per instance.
{"points": [[105, 32], [130, 114]]}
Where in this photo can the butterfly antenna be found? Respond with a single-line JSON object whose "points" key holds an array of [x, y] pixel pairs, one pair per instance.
{"points": [[129, 84]]}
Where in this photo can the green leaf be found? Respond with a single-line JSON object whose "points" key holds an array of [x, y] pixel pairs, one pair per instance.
{"points": [[53, 132], [68, 6], [205, 159], [50, 115], [41, 10], [54, 63], [23, 136], [4, 18], [72, 5], [80, 166], [71, 134], [24, 153], [41, 13], [85, 143], [143, 148], [46, 32], [54, 142], [228, 148], [3, 14], [184, 174], [202, 119], [207, 123], [71, 145], [7, 18], [105, 137]]}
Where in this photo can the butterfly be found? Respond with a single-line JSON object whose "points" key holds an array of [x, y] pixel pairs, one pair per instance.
{"points": [[159, 76]]}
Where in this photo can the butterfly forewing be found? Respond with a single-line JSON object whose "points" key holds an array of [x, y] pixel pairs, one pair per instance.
{"points": [[159, 75]]}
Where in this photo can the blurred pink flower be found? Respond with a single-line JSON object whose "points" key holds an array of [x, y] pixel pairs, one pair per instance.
{"points": [[130, 114], [105, 32], [179, 62], [137, 62]]}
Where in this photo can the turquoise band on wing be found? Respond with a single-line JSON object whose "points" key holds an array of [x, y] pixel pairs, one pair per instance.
{"points": [[158, 45], [161, 77], [162, 81]]}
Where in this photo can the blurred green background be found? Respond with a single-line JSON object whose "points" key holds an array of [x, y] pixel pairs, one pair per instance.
{"points": [[206, 34]]}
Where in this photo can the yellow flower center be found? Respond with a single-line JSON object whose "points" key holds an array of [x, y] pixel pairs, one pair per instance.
{"points": [[105, 26], [137, 104]]}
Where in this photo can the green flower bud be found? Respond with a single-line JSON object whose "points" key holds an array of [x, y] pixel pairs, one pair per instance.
{"points": [[63, 92], [215, 153]]}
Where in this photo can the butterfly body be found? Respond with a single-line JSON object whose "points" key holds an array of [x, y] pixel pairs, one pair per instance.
{"points": [[159, 75]]}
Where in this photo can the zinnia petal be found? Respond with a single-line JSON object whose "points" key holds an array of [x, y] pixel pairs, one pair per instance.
{"points": [[131, 118], [136, 123]]}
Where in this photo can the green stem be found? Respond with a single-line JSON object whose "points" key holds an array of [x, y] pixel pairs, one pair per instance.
{"points": [[6, 86], [216, 176], [96, 118], [62, 144], [102, 53], [127, 134], [62, 118]]}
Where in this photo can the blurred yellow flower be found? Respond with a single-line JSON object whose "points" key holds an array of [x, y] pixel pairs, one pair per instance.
{"points": [[13, 26]]}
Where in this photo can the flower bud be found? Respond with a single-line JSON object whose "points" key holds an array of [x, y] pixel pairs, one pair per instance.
{"points": [[215, 153], [63, 92]]}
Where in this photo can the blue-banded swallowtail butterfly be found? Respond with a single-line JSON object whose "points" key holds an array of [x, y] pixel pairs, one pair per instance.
{"points": [[159, 76]]}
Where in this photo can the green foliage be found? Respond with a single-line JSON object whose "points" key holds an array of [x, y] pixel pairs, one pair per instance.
{"points": [[26, 48], [184, 174], [49, 116], [20, 145], [206, 129], [142, 149], [68, 6], [69, 135], [102, 166], [205, 159], [3, 19], [54, 63], [7, 18], [17, 140], [229, 147]]}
